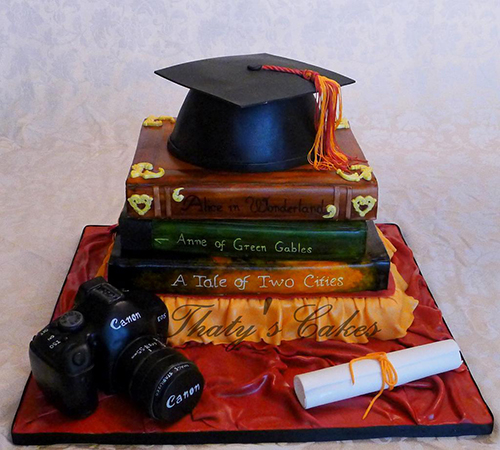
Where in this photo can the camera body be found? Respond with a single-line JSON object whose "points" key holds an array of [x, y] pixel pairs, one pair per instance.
{"points": [[113, 341]]}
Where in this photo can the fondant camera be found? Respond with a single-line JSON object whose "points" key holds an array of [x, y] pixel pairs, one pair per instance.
{"points": [[114, 341]]}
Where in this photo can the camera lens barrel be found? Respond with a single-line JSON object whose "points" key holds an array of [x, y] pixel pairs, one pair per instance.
{"points": [[160, 379]]}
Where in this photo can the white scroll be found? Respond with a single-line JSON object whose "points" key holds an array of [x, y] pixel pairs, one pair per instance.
{"points": [[334, 383]]}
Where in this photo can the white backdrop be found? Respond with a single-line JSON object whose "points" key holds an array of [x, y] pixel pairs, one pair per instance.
{"points": [[77, 80]]}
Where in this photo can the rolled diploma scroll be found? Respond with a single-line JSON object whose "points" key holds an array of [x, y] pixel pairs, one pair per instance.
{"points": [[334, 383]]}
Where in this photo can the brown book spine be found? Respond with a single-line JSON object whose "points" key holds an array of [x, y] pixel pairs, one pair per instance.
{"points": [[178, 190], [252, 201]]}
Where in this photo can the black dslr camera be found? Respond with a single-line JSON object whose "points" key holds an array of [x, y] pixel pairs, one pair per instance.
{"points": [[114, 341]]}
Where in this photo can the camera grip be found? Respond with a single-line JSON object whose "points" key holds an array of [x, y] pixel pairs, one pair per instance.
{"points": [[69, 383]]}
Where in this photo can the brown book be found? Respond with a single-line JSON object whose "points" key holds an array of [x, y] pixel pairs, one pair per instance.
{"points": [[189, 192]]}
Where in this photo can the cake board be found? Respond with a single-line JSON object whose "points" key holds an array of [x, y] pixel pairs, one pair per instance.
{"points": [[249, 396]]}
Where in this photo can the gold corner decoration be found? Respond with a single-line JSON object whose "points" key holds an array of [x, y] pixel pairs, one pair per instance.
{"points": [[343, 124], [365, 173], [177, 196], [136, 200], [331, 211], [153, 121], [167, 119], [145, 170], [368, 202]]}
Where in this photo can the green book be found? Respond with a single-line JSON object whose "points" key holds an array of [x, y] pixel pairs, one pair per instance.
{"points": [[332, 241], [207, 275]]}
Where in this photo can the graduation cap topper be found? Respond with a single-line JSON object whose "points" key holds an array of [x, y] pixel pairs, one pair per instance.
{"points": [[254, 113]]}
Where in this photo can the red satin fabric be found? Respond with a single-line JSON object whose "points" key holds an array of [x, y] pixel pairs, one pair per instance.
{"points": [[251, 388]]}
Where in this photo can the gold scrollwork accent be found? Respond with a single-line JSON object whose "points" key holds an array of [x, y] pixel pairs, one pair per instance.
{"points": [[365, 173], [136, 200], [360, 201], [144, 170], [177, 196], [153, 121], [331, 212], [344, 124]]}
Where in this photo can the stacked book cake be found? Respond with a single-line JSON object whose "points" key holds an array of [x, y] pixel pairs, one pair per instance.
{"points": [[242, 232], [257, 256], [196, 231]]}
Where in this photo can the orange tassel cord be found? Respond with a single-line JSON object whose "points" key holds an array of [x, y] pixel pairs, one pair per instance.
{"points": [[325, 154], [389, 374]]}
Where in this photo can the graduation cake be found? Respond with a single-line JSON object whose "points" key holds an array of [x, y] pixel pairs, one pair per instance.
{"points": [[258, 196], [251, 216]]}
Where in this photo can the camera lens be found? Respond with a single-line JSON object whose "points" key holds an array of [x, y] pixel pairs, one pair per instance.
{"points": [[159, 378]]}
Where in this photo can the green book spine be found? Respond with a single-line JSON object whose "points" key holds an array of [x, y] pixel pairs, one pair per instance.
{"points": [[236, 276], [334, 241]]}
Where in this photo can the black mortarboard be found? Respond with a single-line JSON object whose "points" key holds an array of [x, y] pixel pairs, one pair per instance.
{"points": [[237, 117]]}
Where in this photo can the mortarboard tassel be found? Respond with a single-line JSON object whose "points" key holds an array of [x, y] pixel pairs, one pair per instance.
{"points": [[325, 153]]}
